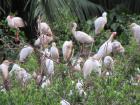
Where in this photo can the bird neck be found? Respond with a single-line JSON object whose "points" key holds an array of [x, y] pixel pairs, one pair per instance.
{"points": [[111, 37], [73, 30]]}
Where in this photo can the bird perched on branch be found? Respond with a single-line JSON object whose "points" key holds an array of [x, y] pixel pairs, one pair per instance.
{"points": [[15, 22], [99, 23]]}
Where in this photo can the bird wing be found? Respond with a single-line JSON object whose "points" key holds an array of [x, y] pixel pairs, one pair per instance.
{"points": [[99, 24], [82, 37], [18, 22]]}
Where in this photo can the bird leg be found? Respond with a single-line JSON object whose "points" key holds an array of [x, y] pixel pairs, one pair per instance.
{"points": [[90, 49], [82, 49], [17, 37]]}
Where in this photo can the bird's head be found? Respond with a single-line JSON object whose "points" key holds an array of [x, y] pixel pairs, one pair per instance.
{"points": [[74, 24], [133, 25], [114, 33], [104, 14], [53, 44], [6, 62], [9, 17]]}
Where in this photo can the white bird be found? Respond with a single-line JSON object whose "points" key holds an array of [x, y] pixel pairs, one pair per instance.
{"points": [[106, 48], [44, 28], [81, 37], [76, 64], [25, 52], [15, 22], [79, 87], [136, 31], [49, 67], [14, 69], [43, 40], [108, 63], [54, 52], [23, 76], [4, 69], [67, 50], [91, 65], [64, 102], [117, 47], [45, 84], [100, 22]]}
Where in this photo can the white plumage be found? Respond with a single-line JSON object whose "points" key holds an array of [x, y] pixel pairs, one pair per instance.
{"points": [[80, 36], [76, 64], [14, 69], [54, 52], [22, 76], [136, 32], [44, 28], [91, 65], [64, 102], [108, 63], [117, 47], [79, 87], [4, 69], [67, 50], [25, 52], [106, 48], [100, 22], [15, 22], [43, 40], [49, 66], [45, 84]]}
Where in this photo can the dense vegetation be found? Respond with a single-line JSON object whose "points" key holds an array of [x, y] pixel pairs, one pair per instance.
{"points": [[117, 89]]}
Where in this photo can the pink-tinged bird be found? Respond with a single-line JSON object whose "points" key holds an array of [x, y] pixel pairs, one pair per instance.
{"points": [[91, 65], [43, 40], [99, 23], [15, 22], [81, 37], [108, 63], [44, 28], [117, 47], [106, 48], [54, 52], [67, 50], [136, 32]]}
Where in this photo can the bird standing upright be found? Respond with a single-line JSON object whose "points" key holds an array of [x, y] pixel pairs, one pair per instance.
{"points": [[54, 52], [99, 23], [44, 28], [81, 37], [5, 73], [67, 50], [15, 22], [136, 32]]}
